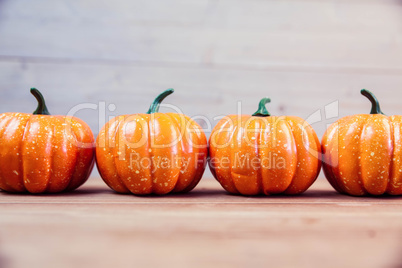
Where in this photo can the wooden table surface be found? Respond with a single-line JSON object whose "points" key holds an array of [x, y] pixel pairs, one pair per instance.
{"points": [[95, 227]]}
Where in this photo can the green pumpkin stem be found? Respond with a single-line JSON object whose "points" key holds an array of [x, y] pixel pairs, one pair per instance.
{"points": [[154, 108], [262, 110], [41, 109], [375, 106]]}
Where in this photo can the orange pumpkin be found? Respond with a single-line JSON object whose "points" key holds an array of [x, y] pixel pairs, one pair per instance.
{"points": [[151, 153], [42, 153], [263, 154], [362, 154]]}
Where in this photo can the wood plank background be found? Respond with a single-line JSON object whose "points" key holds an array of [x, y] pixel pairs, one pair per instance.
{"points": [[95, 227], [304, 54]]}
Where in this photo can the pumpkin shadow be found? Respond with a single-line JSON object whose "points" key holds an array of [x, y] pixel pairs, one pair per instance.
{"points": [[199, 193], [367, 197], [84, 191], [317, 195], [191, 194], [312, 194], [77, 192]]}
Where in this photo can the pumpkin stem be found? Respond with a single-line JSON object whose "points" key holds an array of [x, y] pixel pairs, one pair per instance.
{"points": [[154, 108], [41, 109], [262, 110], [375, 106]]}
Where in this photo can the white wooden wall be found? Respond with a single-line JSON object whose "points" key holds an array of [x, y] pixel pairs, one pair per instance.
{"points": [[304, 54]]}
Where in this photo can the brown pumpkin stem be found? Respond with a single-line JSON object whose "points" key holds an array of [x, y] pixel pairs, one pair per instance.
{"points": [[154, 108], [375, 105], [262, 110], [41, 109]]}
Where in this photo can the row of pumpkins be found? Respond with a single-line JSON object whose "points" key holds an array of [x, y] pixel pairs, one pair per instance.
{"points": [[160, 153]]}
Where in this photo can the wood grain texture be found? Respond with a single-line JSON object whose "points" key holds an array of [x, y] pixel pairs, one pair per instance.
{"points": [[95, 227], [207, 93], [250, 33]]}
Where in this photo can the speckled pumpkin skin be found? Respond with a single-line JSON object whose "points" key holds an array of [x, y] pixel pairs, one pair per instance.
{"points": [[131, 150], [262, 139], [362, 155], [44, 153]]}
